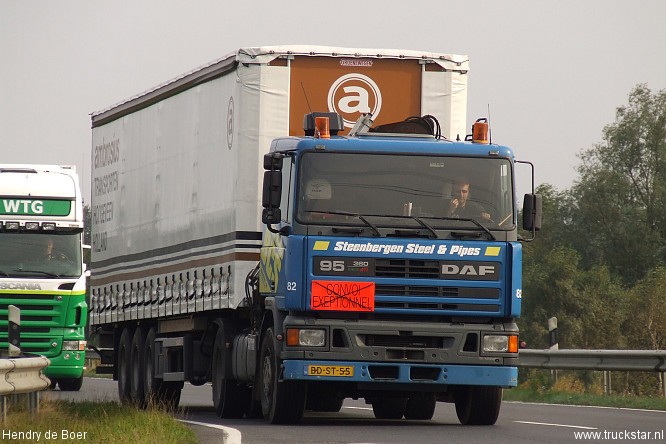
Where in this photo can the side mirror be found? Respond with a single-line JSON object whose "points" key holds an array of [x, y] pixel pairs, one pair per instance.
{"points": [[532, 212], [272, 195], [273, 162]]}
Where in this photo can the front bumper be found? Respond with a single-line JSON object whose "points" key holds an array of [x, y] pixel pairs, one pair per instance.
{"points": [[68, 364], [407, 373]]}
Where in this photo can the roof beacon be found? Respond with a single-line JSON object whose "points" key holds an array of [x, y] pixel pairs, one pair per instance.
{"points": [[480, 131], [322, 128]]}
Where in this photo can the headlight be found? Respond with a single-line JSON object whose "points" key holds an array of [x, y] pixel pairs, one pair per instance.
{"points": [[306, 337], [74, 345], [500, 344]]}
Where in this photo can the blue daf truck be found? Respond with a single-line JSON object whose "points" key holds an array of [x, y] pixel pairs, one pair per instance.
{"points": [[378, 286]]}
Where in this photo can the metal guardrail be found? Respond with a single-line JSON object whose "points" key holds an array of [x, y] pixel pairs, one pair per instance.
{"points": [[23, 375], [21, 381], [603, 360]]}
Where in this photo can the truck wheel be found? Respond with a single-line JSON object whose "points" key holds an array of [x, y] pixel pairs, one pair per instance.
{"points": [[478, 405], [421, 406], [389, 408], [137, 371], [151, 384], [229, 398], [282, 402], [158, 393], [124, 348], [70, 384]]}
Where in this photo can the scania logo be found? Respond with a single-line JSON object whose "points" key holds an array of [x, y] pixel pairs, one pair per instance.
{"points": [[471, 270], [19, 286], [352, 95]]}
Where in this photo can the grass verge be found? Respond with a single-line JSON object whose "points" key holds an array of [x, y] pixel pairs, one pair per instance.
{"points": [[573, 398], [95, 422]]}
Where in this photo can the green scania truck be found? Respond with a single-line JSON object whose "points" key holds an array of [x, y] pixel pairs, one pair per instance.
{"points": [[41, 266]]}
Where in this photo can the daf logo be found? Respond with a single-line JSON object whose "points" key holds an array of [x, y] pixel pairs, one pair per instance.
{"points": [[352, 95], [470, 270]]}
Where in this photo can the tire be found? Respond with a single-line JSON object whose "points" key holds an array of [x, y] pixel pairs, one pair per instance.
{"points": [[151, 384], [123, 366], [164, 395], [421, 406], [389, 408], [478, 405], [230, 399], [70, 384], [137, 372], [282, 402]]}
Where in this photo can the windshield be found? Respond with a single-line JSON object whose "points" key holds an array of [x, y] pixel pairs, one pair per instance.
{"points": [[40, 255], [338, 187]]}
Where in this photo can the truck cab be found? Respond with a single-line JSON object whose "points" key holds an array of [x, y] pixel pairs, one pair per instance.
{"points": [[41, 268], [383, 289]]}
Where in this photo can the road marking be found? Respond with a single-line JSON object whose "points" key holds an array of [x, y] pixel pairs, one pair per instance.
{"points": [[584, 406], [556, 425], [231, 436], [357, 408]]}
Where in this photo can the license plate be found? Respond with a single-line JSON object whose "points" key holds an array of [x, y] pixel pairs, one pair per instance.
{"points": [[344, 371]]}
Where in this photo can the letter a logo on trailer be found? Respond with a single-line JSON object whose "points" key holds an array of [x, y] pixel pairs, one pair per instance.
{"points": [[352, 95]]}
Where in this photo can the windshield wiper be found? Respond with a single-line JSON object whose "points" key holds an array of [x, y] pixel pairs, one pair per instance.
{"points": [[345, 213], [45, 273], [478, 224], [425, 225], [474, 221], [416, 218]]}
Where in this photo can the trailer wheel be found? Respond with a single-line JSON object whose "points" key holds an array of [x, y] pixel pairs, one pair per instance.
{"points": [[282, 402], [478, 405], [151, 384], [124, 347], [389, 407], [229, 398], [158, 393], [421, 406], [137, 372]]}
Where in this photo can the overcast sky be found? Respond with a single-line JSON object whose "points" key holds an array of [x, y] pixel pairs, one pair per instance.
{"points": [[552, 72]]}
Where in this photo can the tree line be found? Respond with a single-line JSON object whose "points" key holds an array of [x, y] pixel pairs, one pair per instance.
{"points": [[599, 263]]}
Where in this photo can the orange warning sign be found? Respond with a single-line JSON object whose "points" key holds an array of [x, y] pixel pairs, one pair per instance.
{"points": [[343, 296]]}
